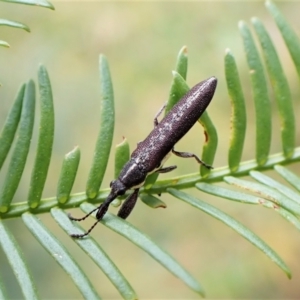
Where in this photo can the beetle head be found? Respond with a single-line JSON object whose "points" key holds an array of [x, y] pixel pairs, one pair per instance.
{"points": [[117, 188]]}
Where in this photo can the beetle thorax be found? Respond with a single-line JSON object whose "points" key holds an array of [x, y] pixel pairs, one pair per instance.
{"points": [[133, 175]]}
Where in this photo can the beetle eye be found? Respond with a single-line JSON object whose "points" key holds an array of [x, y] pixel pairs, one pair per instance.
{"points": [[111, 183], [121, 192]]}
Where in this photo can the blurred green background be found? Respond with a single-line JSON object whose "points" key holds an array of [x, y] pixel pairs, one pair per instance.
{"points": [[141, 41]]}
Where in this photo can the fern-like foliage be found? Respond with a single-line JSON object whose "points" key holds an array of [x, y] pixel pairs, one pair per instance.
{"points": [[14, 24], [265, 191]]}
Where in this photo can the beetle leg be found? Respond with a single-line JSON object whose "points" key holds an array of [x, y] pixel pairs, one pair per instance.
{"points": [[83, 218], [158, 114], [80, 236], [187, 155], [101, 210], [128, 205], [166, 169]]}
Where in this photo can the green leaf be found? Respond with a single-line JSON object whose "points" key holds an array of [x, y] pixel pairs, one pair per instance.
{"points": [[281, 89], [97, 254], [227, 193], [266, 192], [17, 262], [3, 291], [289, 176], [144, 242], [235, 225], [262, 178], [152, 201], [246, 198], [4, 22], [105, 136], [122, 156], [43, 3], [260, 96], [289, 217], [178, 89], [67, 175], [10, 126], [19, 155], [290, 37], [45, 141], [60, 255], [238, 112], [182, 62], [4, 44], [150, 180], [210, 145]]}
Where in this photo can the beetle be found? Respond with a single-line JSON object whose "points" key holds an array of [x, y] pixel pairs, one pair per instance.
{"points": [[154, 150]]}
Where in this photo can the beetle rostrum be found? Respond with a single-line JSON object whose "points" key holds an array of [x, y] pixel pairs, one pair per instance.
{"points": [[153, 151]]}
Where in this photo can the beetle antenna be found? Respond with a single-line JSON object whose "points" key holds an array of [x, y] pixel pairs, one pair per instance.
{"points": [[83, 218], [80, 236]]}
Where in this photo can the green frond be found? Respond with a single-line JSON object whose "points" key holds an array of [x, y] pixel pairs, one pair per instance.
{"points": [[10, 126], [132, 234], [238, 114], [20, 152], [288, 34], [104, 140], [4, 22], [67, 175], [260, 95], [280, 88], [152, 201], [289, 176], [244, 182], [45, 140], [235, 225], [14, 24], [17, 262], [60, 254], [122, 156], [98, 255], [42, 3], [4, 44]]}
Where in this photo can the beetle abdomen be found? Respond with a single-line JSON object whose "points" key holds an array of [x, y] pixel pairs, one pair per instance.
{"points": [[151, 151]]}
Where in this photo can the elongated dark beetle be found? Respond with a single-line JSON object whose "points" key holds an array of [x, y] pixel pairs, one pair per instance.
{"points": [[152, 152]]}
